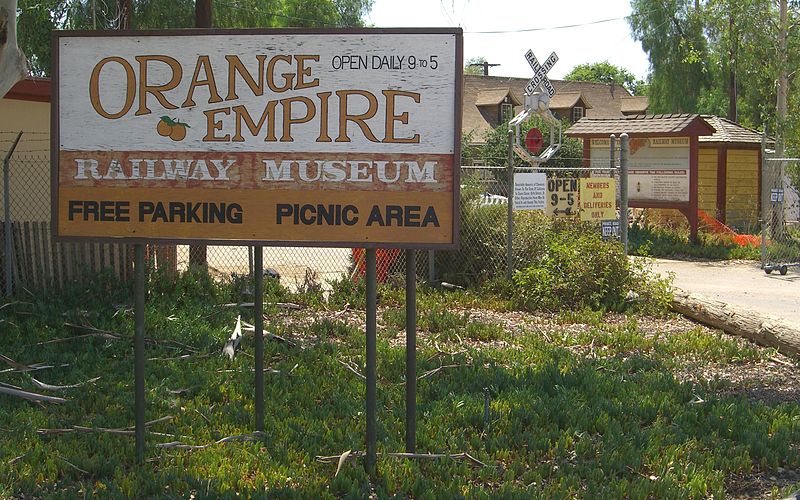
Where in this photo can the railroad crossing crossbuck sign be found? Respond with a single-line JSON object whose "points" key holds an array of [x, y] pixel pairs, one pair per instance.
{"points": [[538, 92], [540, 73]]}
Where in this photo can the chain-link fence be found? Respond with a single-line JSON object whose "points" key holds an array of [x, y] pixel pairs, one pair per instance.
{"points": [[780, 236]]}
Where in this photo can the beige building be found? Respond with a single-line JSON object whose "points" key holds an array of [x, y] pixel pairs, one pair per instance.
{"points": [[26, 109], [490, 100]]}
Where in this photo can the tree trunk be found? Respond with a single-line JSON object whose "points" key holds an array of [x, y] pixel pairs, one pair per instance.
{"points": [[13, 64], [761, 329], [202, 13], [781, 112]]}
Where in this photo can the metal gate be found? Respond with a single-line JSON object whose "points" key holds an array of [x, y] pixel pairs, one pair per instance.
{"points": [[780, 221]]}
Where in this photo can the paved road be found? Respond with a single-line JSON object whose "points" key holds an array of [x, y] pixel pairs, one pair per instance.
{"points": [[741, 283]]}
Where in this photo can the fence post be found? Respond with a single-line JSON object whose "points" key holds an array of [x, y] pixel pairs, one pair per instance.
{"points": [[623, 190], [510, 221], [765, 202], [431, 267], [7, 216], [612, 164]]}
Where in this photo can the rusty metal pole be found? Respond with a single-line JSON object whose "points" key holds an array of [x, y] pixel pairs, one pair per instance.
{"points": [[371, 368], [198, 254], [411, 351]]}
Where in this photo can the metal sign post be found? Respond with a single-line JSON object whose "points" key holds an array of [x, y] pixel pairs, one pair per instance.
{"points": [[138, 349], [372, 404], [411, 351], [624, 149], [510, 207], [258, 334]]}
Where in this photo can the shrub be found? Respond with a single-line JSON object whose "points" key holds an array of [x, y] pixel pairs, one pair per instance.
{"points": [[574, 267]]}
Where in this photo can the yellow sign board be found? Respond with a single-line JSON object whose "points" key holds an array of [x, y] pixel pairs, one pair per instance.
{"points": [[562, 197], [598, 198]]}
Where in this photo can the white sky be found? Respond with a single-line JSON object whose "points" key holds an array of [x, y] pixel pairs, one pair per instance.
{"points": [[586, 44]]}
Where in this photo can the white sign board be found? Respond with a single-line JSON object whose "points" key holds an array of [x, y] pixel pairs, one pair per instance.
{"points": [[658, 167], [314, 137], [530, 191]]}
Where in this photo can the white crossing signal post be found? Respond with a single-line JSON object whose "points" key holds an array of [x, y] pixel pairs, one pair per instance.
{"points": [[538, 92]]}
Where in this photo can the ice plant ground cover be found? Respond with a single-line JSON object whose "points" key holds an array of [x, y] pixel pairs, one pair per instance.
{"points": [[581, 403]]}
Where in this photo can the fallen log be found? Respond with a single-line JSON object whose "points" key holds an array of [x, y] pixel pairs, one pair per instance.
{"points": [[760, 328]]}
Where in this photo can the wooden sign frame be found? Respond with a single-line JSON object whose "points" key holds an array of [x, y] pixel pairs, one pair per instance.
{"points": [[104, 193]]}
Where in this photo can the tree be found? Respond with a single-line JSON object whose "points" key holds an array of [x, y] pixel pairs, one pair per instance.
{"points": [[605, 72], [671, 32], [477, 66], [724, 57], [39, 17]]}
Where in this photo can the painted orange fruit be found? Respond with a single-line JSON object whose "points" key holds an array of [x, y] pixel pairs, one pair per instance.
{"points": [[164, 126], [178, 132]]}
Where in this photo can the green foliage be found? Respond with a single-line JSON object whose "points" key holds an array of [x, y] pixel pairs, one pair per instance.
{"points": [[474, 65], [495, 151], [653, 241], [671, 32], [616, 423], [38, 18], [704, 52], [557, 263], [575, 268], [605, 72], [483, 236]]}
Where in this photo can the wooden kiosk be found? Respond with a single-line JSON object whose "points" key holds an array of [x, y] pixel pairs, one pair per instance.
{"points": [[663, 161]]}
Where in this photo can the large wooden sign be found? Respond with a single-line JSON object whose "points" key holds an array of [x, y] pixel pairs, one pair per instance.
{"points": [[301, 137]]}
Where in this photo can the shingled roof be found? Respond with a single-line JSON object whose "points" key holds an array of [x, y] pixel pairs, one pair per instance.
{"points": [[566, 100], [728, 131], [636, 105], [641, 125], [605, 99], [493, 97]]}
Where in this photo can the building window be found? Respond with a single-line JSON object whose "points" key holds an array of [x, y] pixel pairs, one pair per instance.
{"points": [[577, 113], [506, 111]]}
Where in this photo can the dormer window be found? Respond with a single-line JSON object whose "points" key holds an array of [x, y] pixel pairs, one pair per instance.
{"points": [[577, 113], [506, 111]]}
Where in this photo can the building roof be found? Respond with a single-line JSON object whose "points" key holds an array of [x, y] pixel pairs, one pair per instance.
{"points": [[30, 89], [643, 125], [493, 97], [601, 99], [634, 105], [728, 131], [566, 100]]}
